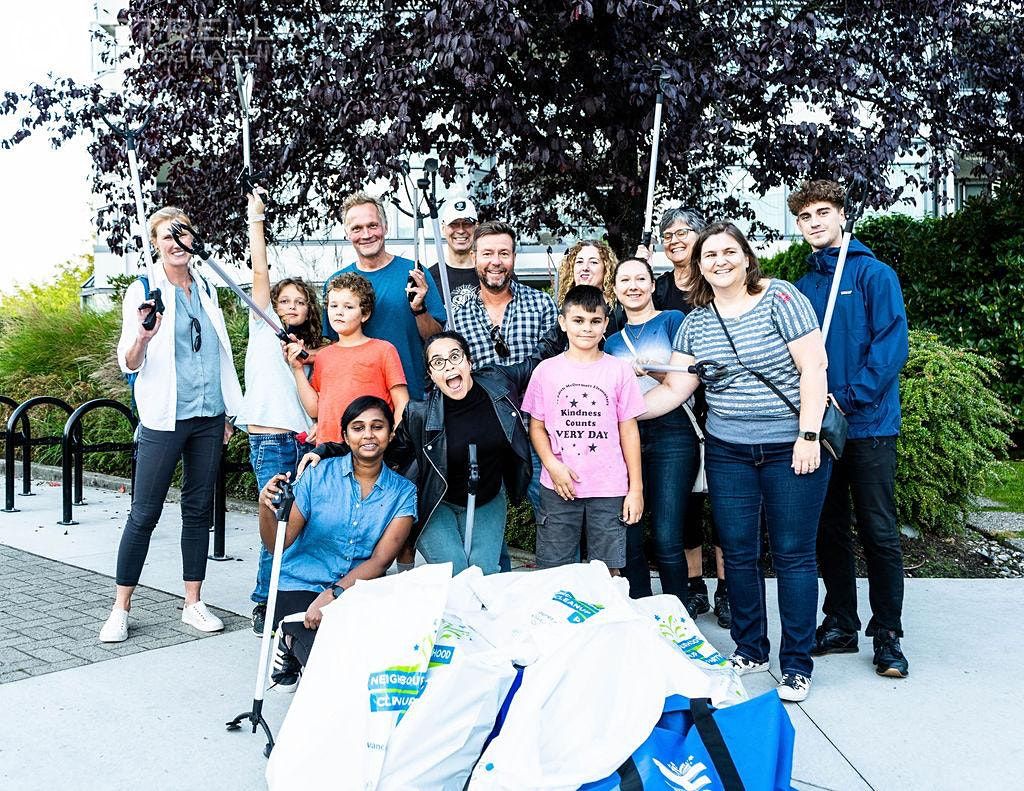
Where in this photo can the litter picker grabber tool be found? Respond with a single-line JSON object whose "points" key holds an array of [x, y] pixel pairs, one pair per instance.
{"points": [[653, 172], [417, 232], [853, 208], [471, 486], [198, 247], [442, 264], [129, 135], [552, 272], [244, 83], [282, 502]]}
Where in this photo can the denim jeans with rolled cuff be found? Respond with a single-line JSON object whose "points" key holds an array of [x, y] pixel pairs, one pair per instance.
{"points": [[742, 479], [270, 455]]}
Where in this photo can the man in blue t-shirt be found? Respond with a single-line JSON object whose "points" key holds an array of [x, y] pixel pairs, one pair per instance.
{"points": [[396, 318], [867, 346], [350, 518]]}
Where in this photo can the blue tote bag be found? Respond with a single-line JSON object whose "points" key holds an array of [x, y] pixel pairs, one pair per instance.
{"points": [[696, 747]]}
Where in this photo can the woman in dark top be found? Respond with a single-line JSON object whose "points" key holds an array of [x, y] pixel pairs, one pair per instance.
{"points": [[679, 228], [464, 406]]}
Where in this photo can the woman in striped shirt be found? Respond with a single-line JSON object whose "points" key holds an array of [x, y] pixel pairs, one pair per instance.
{"points": [[747, 331]]}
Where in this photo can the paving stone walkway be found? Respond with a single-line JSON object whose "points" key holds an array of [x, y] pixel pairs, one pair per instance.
{"points": [[51, 613]]}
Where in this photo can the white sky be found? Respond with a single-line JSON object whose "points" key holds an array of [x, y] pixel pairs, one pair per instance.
{"points": [[45, 215]]}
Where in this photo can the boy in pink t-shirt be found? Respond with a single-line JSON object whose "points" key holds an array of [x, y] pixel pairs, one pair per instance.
{"points": [[583, 405]]}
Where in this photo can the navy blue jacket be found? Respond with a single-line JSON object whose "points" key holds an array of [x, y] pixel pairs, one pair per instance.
{"points": [[867, 343]]}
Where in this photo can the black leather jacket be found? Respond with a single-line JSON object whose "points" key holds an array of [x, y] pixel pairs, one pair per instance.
{"points": [[420, 437]]}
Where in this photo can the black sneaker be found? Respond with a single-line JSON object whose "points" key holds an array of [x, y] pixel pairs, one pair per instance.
{"points": [[259, 618], [722, 611], [286, 670], [889, 659], [830, 639], [697, 603]]}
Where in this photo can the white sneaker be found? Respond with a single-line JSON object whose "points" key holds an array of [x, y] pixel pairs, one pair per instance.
{"points": [[199, 616], [115, 630], [794, 687], [744, 666]]}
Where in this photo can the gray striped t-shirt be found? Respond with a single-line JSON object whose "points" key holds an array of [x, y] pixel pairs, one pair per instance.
{"points": [[740, 408]]}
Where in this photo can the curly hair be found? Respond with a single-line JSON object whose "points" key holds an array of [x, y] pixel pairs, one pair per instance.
{"points": [[821, 190], [608, 262], [701, 294], [359, 286], [310, 331]]}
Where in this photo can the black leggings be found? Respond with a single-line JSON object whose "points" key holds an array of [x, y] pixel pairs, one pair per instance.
{"points": [[289, 602], [197, 442]]}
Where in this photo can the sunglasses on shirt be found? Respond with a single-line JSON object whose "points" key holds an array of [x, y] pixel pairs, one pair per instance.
{"points": [[500, 346]]}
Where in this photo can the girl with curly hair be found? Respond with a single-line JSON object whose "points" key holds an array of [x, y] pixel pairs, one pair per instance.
{"points": [[272, 413]]}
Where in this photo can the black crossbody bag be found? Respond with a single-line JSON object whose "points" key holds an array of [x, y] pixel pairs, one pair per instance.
{"points": [[833, 423]]}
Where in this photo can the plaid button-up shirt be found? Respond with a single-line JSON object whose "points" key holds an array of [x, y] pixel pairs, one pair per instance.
{"points": [[527, 317]]}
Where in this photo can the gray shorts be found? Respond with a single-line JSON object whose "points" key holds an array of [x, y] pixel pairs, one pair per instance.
{"points": [[558, 534]]}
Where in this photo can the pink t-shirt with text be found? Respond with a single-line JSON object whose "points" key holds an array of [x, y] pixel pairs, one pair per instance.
{"points": [[582, 405]]}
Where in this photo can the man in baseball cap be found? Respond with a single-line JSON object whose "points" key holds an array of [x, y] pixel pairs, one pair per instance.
{"points": [[458, 221]]}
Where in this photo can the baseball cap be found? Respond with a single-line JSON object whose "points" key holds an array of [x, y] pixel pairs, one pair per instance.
{"points": [[460, 208]]}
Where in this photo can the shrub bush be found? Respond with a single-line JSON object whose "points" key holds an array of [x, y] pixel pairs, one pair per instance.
{"points": [[954, 429]]}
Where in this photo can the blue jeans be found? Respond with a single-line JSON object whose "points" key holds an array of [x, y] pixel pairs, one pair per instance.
{"points": [[443, 537], [669, 455], [742, 479], [270, 455]]}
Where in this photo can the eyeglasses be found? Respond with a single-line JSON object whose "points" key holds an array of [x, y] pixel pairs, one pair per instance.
{"points": [[455, 358], [196, 332], [672, 236], [500, 346]]}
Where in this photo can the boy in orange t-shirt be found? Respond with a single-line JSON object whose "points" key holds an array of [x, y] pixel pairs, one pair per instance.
{"points": [[353, 366]]}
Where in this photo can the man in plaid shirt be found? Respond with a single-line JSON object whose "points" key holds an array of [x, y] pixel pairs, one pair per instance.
{"points": [[506, 318]]}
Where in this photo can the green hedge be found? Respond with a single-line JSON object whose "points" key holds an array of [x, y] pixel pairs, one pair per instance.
{"points": [[962, 277]]}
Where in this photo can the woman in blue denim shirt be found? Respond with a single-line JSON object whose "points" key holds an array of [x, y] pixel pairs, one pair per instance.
{"points": [[272, 413], [760, 457]]}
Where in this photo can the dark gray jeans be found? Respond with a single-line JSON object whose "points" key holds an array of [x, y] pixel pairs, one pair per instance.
{"points": [[197, 442]]}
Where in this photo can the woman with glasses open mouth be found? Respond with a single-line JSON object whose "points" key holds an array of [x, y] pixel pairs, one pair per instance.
{"points": [[464, 406], [184, 386]]}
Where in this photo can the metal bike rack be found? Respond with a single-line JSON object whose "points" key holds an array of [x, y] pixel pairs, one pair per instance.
{"points": [[14, 438]]}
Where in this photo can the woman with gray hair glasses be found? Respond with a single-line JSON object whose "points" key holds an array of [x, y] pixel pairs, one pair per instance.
{"points": [[679, 228]]}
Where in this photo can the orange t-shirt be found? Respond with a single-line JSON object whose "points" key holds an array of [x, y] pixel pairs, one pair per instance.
{"points": [[343, 373]]}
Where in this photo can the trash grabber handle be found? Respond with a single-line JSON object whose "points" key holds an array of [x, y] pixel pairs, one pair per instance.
{"points": [[855, 201], [442, 265], [653, 172], [472, 483], [198, 247]]}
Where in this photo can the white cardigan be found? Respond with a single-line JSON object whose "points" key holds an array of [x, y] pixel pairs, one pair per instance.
{"points": [[156, 388]]}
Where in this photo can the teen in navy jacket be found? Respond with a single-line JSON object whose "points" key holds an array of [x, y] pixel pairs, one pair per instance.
{"points": [[867, 346]]}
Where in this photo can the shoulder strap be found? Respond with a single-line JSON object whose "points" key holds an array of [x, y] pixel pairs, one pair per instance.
{"points": [[714, 742], [764, 379]]}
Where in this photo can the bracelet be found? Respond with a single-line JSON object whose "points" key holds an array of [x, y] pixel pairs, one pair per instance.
{"points": [[257, 218], [420, 312]]}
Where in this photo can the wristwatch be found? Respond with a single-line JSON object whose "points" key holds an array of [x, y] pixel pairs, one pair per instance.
{"points": [[810, 436], [337, 590], [420, 312]]}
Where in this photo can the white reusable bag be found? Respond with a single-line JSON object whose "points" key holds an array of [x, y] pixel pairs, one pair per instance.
{"points": [[442, 734], [367, 665], [585, 706]]}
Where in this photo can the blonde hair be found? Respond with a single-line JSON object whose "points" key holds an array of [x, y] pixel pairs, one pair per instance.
{"points": [[361, 198], [608, 261], [162, 215]]}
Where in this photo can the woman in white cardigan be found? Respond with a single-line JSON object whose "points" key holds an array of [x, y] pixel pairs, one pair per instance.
{"points": [[185, 389]]}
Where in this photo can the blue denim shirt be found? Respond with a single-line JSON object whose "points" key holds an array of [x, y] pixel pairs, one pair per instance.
{"points": [[198, 373], [341, 528]]}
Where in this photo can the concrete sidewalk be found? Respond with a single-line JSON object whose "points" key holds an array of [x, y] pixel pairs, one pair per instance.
{"points": [[155, 719]]}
